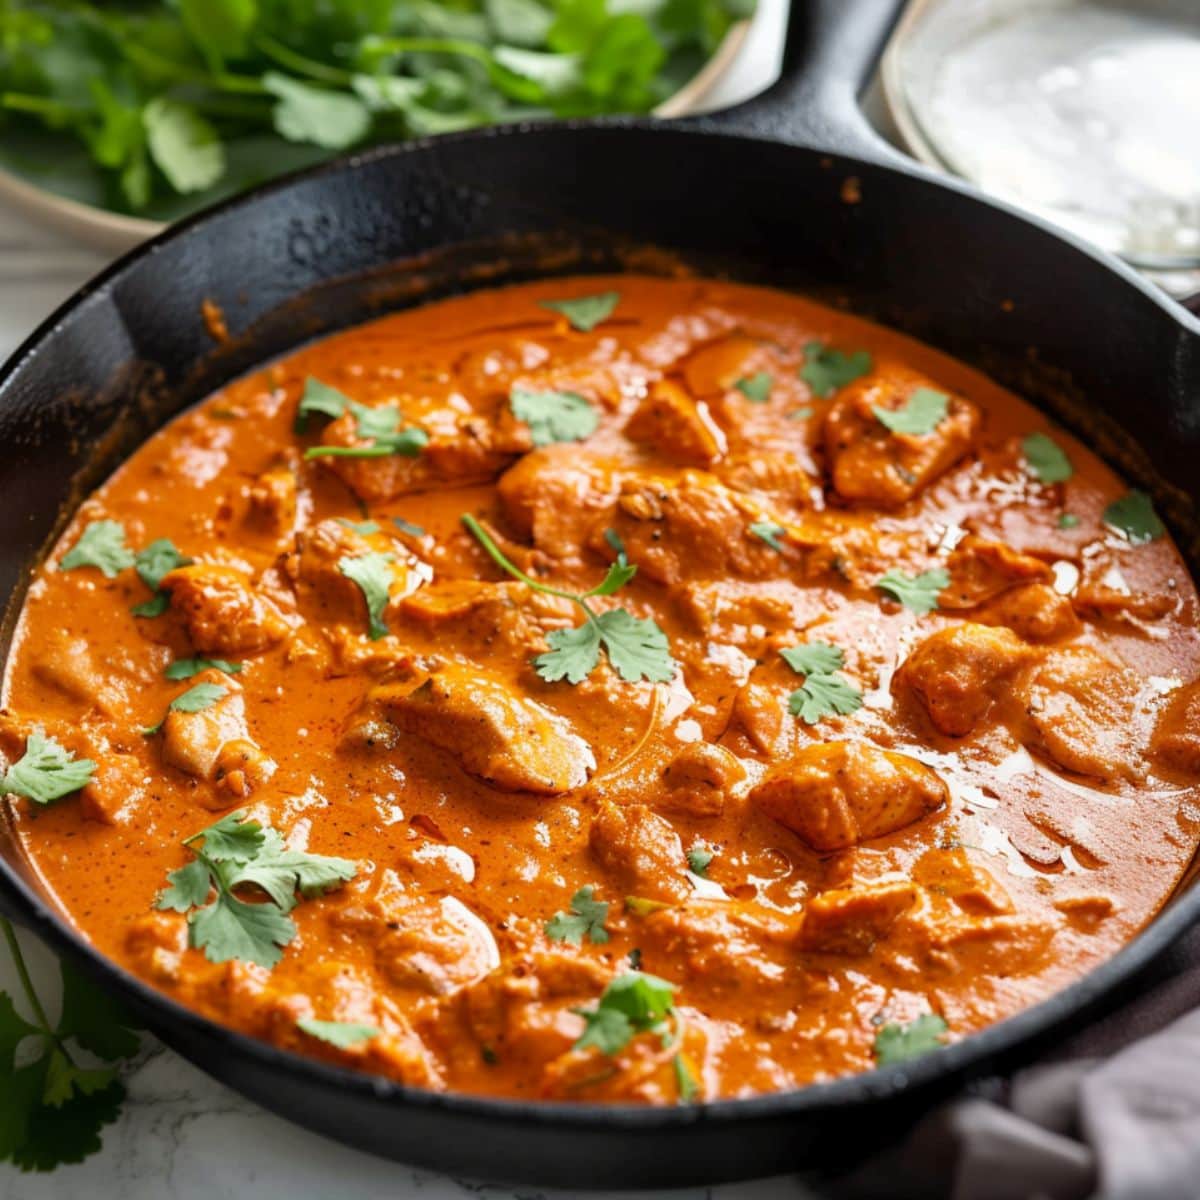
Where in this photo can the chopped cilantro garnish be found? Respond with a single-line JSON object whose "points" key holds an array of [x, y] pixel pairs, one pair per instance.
{"points": [[366, 528], [1134, 517], [635, 958], [1045, 459], [237, 853], [898, 1043], [770, 533], [800, 414], [756, 388], [689, 1086], [632, 1003], [636, 647], [152, 563], [54, 1108], [101, 545], [813, 658], [342, 1034], [918, 593], [380, 427], [617, 545], [554, 416], [196, 699], [185, 668], [373, 574], [46, 771], [824, 693], [825, 369], [923, 411], [408, 527], [585, 920], [1067, 520], [698, 858], [585, 312]]}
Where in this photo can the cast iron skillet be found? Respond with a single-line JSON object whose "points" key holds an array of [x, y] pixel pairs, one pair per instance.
{"points": [[792, 189]]}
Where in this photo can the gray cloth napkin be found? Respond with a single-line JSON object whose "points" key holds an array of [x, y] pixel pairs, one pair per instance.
{"points": [[1114, 1114]]}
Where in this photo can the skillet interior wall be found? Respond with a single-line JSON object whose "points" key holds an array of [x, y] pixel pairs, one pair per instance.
{"points": [[1036, 312]]}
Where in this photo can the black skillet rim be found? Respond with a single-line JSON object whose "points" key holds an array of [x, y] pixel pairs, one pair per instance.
{"points": [[956, 1060]]}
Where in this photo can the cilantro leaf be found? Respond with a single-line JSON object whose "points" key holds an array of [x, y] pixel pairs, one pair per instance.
{"points": [[554, 416], [101, 545], [305, 113], [94, 1019], [918, 593], [617, 545], [825, 369], [770, 533], [757, 387], [219, 27], [342, 1034], [406, 442], [152, 564], [408, 527], [632, 1003], [196, 699], [699, 857], [637, 648], [923, 411], [1067, 520], [46, 771], [572, 656], [39, 1137], [813, 658], [373, 574], [689, 1086], [585, 312], [322, 399], [184, 145], [1134, 516], [585, 920], [617, 576], [14, 1029], [185, 668], [898, 1043], [824, 696], [237, 853], [64, 1080], [1045, 459]]}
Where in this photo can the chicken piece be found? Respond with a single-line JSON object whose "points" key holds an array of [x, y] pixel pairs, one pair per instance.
{"points": [[851, 920], [524, 1011], [760, 713], [834, 795], [700, 779], [1034, 612], [720, 945], [464, 452], [1080, 710], [554, 496], [510, 742], [115, 791], [641, 849], [1097, 598], [67, 664], [223, 612], [677, 427], [678, 530], [1176, 740], [156, 943], [981, 569], [716, 367], [950, 873], [214, 744], [331, 595], [957, 673], [272, 502], [784, 476], [870, 463], [433, 947]]}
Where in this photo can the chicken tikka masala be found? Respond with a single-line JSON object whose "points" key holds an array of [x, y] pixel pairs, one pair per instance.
{"points": [[609, 689]]}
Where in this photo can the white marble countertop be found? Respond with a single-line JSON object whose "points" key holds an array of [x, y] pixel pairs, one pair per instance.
{"points": [[181, 1135]]}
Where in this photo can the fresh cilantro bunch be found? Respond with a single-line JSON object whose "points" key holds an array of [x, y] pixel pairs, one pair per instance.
{"points": [[53, 1105], [636, 647], [234, 855], [161, 106]]}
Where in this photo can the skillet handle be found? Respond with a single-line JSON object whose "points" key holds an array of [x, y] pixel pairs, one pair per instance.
{"points": [[831, 48]]}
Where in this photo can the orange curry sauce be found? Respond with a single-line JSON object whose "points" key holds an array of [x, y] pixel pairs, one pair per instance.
{"points": [[1014, 798]]}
